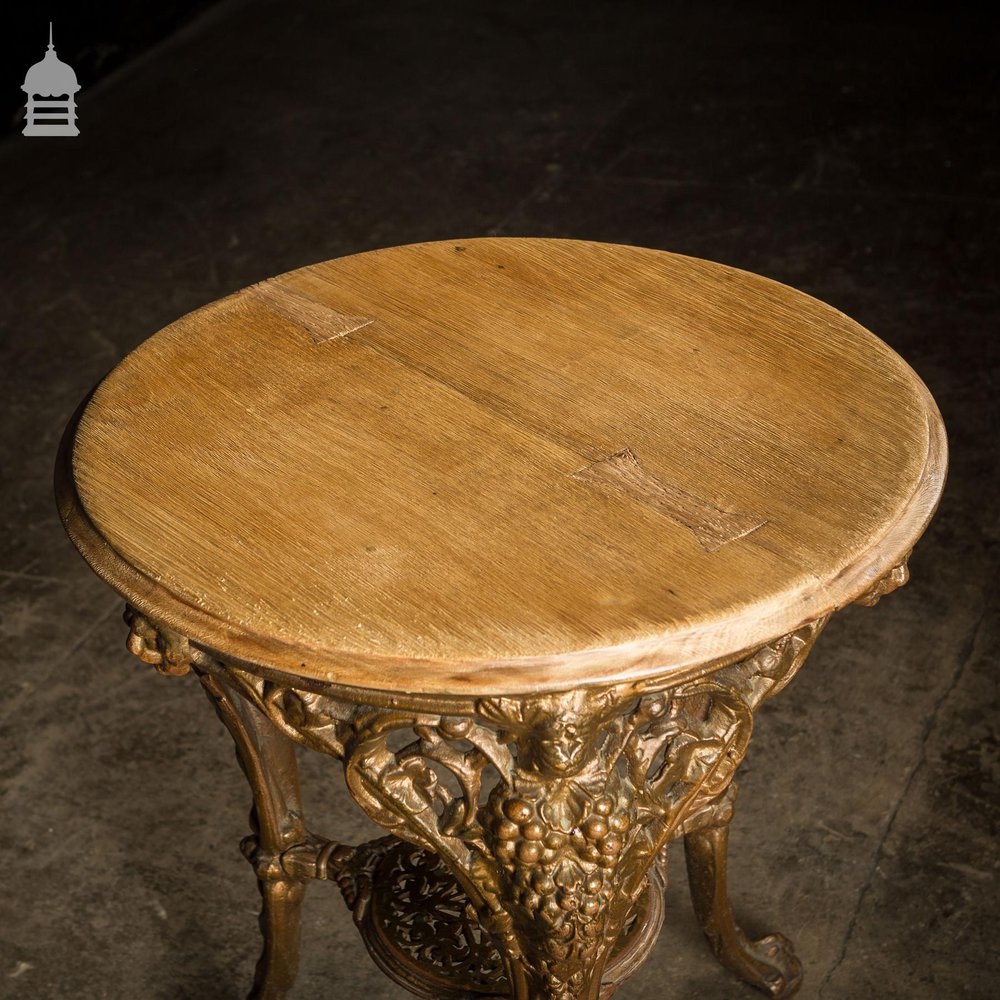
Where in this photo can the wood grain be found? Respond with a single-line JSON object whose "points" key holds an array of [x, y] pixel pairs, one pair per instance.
{"points": [[711, 526], [398, 470]]}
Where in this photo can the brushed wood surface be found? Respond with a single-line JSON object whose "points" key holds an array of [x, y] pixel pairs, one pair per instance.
{"points": [[502, 465]]}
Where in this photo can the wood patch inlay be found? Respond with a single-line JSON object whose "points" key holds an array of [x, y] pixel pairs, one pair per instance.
{"points": [[319, 320], [622, 472]]}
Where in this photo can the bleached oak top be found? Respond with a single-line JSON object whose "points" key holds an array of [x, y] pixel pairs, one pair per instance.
{"points": [[502, 466]]}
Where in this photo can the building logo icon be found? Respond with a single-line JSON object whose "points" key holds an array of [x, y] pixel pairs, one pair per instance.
{"points": [[51, 88]]}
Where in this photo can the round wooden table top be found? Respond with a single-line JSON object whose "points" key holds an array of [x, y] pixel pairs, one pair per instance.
{"points": [[498, 466]]}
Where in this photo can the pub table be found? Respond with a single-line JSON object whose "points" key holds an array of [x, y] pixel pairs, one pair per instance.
{"points": [[522, 532]]}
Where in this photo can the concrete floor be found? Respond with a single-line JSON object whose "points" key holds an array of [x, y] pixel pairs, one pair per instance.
{"points": [[852, 156]]}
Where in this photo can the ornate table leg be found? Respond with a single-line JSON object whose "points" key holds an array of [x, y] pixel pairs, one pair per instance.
{"points": [[768, 963], [267, 757]]}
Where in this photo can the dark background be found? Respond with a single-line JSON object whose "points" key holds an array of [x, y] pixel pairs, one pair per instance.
{"points": [[849, 150]]}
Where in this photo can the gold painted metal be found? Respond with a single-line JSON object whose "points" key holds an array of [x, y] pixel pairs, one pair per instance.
{"points": [[892, 580], [535, 828]]}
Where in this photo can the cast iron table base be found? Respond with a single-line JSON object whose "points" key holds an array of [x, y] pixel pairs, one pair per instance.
{"points": [[527, 857]]}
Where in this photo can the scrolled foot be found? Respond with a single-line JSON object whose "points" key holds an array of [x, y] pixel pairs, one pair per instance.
{"points": [[769, 963]]}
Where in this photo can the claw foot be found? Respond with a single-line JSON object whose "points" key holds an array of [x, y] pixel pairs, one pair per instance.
{"points": [[770, 964]]}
